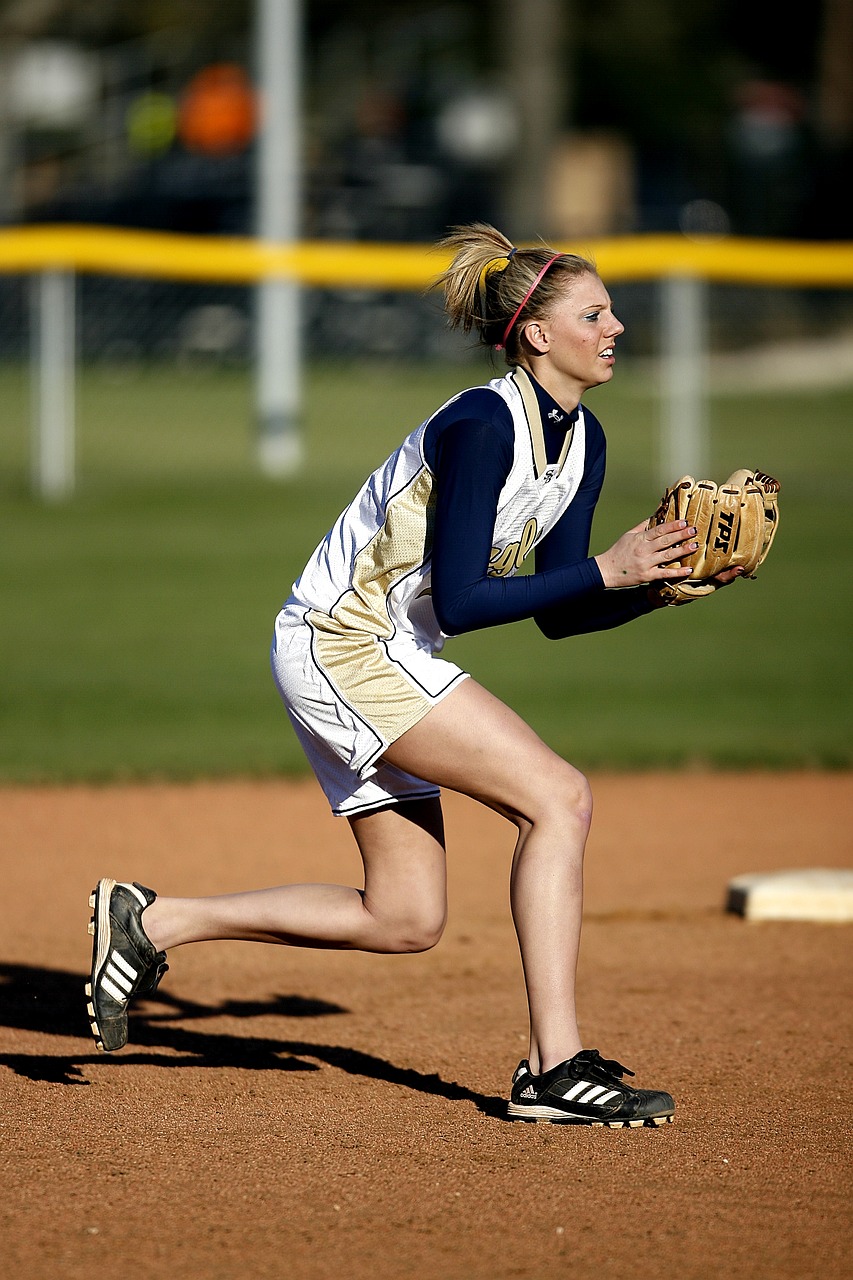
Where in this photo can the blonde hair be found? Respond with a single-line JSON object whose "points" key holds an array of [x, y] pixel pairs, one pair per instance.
{"points": [[488, 279]]}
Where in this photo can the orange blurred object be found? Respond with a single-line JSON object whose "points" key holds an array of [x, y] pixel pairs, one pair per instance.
{"points": [[218, 111]]}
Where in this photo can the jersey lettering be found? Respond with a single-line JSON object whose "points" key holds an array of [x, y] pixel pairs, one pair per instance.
{"points": [[505, 560]]}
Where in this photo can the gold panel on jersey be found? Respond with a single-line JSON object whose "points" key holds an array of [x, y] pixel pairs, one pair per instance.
{"points": [[346, 643], [395, 550], [359, 668]]}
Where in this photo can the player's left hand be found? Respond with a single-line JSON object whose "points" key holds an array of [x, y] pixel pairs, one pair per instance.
{"points": [[725, 576], [721, 579]]}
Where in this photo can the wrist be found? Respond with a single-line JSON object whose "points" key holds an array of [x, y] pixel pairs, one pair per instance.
{"points": [[603, 568]]}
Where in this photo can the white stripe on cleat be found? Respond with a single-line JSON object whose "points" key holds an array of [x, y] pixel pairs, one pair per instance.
{"points": [[137, 893], [118, 959], [119, 996]]}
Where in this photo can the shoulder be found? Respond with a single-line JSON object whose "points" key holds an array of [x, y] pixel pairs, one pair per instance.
{"points": [[484, 403], [479, 417]]}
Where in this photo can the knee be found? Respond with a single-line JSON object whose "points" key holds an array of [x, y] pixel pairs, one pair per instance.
{"points": [[417, 931], [568, 796]]}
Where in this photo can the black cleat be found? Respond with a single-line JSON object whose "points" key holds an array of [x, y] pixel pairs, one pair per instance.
{"points": [[586, 1089], [124, 961]]}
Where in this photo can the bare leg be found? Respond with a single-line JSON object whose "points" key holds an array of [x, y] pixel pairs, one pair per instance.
{"points": [[402, 906], [474, 744]]}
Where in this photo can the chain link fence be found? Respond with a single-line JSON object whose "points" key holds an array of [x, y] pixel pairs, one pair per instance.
{"points": [[163, 371]]}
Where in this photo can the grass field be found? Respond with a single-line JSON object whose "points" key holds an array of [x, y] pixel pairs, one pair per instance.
{"points": [[137, 616]]}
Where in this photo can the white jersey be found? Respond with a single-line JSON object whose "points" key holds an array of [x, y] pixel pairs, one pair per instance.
{"points": [[354, 648], [371, 573]]}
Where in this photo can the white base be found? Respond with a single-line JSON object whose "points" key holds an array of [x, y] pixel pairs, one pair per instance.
{"points": [[821, 895]]}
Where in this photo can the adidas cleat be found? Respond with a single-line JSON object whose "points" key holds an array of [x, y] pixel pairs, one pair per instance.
{"points": [[586, 1089], [125, 963]]}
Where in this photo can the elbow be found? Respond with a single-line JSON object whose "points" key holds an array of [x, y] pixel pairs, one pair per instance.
{"points": [[455, 611], [550, 626], [452, 621]]}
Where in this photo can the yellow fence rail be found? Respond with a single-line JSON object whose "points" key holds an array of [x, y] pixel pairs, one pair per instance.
{"points": [[682, 268], [162, 255]]}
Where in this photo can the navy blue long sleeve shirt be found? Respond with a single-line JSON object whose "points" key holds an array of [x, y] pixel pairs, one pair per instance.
{"points": [[469, 446]]}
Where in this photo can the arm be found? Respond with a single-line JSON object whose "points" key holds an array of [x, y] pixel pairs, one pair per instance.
{"points": [[603, 613], [568, 542], [471, 459]]}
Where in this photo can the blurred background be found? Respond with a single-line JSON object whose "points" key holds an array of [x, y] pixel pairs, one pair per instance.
{"points": [[142, 602], [548, 116]]}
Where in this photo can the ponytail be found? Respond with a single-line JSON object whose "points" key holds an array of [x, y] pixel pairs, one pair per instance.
{"points": [[489, 285]]}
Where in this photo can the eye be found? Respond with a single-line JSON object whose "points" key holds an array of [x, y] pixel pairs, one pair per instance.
{"points": [[592, 316]]}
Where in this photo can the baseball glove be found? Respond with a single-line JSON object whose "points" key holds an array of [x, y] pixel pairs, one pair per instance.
{"points": [[735, 524]]}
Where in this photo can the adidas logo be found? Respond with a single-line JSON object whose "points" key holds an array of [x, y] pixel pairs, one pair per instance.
{"points": [[555, 416], [529, 1092], [117, 977], [597, 1094]]}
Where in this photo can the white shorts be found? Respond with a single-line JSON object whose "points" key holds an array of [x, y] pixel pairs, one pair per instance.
{"points": [[350, 695]]}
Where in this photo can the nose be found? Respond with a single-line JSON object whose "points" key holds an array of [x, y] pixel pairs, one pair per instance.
{"points": [[615, 327]]}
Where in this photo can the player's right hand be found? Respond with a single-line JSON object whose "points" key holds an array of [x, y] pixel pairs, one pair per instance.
{"points": [[645, 555]]}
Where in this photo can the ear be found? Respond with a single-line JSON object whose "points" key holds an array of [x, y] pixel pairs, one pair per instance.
{"points": [[535, 333]]}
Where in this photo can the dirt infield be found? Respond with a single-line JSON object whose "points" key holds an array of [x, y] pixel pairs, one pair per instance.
{"points": [[313, 1115]]}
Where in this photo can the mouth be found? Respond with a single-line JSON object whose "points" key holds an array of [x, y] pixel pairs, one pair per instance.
{"points": [[608, 353]]}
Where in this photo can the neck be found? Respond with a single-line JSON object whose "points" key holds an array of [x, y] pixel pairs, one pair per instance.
{"points": [[564, 390]]}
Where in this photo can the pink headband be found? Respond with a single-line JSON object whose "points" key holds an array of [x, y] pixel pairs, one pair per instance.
{"points": [[499, 346]]}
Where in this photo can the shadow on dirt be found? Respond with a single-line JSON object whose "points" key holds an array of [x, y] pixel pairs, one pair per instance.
{"points": [[51, 1002]]}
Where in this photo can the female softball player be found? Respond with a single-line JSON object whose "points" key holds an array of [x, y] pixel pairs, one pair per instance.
{"points": [[427, 549]]}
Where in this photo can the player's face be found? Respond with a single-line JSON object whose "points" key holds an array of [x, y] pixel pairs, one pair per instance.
{"points": [[578, 339]]}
